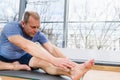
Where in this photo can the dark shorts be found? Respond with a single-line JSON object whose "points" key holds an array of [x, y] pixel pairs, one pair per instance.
{"points": [[23, 60]]}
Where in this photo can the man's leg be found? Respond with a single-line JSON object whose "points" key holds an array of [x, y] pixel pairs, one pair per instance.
{"points": [[13, 66], [75, 74]]}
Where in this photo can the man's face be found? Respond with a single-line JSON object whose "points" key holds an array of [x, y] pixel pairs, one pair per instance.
{"points": [[31, 28]]}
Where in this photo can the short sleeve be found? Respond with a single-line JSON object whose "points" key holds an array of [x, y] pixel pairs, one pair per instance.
{"points": [[11, 29], [42, 38]]}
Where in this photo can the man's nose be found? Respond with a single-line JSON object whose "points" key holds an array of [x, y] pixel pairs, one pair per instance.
{"points": [[36, 29]]}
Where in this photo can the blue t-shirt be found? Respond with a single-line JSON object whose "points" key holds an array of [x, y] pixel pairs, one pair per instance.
{"points": [[11, 51]]}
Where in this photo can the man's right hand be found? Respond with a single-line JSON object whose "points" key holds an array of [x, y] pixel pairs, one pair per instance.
{"points": [[64, 64]]}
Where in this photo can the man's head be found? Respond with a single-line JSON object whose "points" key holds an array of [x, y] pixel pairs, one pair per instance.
{"points": [[30, 23]]}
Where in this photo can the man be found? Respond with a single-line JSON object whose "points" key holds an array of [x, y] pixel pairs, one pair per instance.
{"points": [[18, 50]]}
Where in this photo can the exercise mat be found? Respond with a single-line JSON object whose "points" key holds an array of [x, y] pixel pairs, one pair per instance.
{"points": [[33, 75]]}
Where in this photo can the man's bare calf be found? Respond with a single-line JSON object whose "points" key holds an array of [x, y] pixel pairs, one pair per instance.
{"points": [[75, 74]]}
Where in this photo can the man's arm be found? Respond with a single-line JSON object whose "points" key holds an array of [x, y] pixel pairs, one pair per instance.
{"points": [[30, 47], [37, 51], [55, 51]]}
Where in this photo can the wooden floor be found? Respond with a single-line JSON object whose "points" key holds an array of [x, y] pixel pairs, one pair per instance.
{"points": [[106, 68], [100, 72], [101, 75], [11, 78]]}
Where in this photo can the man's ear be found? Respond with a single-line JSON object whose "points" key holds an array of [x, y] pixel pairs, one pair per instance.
{"points": [[22, 23]]}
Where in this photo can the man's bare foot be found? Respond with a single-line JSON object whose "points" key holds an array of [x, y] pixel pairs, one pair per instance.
{"points": [[18, 66], [81, 69]]}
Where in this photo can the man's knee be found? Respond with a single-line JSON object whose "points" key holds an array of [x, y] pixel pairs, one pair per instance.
{"points": [[46, 66], [32, 62]]}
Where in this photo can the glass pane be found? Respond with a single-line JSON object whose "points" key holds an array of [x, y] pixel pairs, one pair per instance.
{"points": [[94, 24], [50, 10], [54, 32], [9, 10], [97, 35], [94, 10]]}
